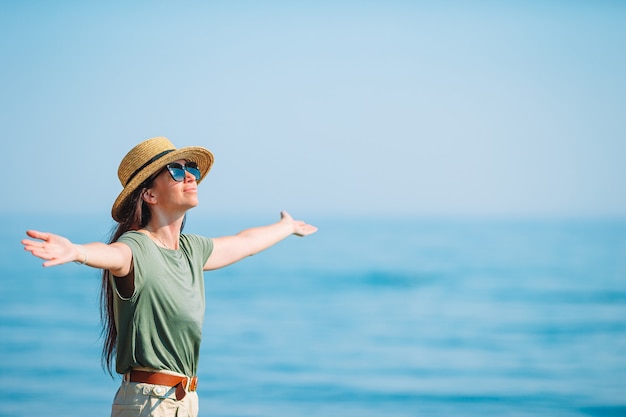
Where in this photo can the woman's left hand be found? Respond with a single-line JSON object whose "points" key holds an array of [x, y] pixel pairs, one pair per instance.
{"points": [[300, 228], [230, 249]]}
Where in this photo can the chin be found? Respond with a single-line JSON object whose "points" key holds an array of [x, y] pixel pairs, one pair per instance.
{"points": [[188, 206]]}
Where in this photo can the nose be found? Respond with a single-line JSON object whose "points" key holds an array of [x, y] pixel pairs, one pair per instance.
{"points": [[189, 176]]}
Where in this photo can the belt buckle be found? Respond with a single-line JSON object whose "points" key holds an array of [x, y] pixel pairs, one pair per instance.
{"points": [[193, 383]]}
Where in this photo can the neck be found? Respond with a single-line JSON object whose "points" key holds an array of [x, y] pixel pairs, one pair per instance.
{"points": [[167, 232]]}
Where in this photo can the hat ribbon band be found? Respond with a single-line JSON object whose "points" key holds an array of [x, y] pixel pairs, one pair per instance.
{"points": [[154, 158]]}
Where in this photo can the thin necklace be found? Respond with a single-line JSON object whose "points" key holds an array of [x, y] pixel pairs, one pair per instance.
{"points": [[157, 238]]}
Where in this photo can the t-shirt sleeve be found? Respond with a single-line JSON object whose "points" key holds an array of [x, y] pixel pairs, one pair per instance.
{"points": [[202, 247], [138, 247]]}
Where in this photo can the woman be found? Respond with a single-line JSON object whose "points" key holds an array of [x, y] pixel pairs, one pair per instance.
{"points": [[152, 287]]}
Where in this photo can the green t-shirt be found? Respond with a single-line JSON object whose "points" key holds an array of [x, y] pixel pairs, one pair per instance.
{"points": [[160, 325]]}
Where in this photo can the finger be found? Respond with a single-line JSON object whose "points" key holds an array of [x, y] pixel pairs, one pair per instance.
{"points": [[302, 224], [306, 230], [32, 243], [38, 235], [32, 249], [53, 262], [42, 253]]}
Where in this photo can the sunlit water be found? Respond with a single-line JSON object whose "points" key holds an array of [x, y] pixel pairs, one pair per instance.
{"points": [[365, 318]]}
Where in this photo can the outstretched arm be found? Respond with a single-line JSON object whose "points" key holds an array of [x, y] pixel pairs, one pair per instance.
{"points": [[230, 249], [57, 250]]}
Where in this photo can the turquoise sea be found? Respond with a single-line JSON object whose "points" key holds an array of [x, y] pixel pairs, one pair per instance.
{"points": [[369, 317]]}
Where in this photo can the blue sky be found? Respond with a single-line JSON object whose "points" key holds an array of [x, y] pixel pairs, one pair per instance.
{"points": [[349, 108]]}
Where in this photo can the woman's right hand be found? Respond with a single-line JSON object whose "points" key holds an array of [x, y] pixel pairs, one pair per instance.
{"points": [[54, 249]]}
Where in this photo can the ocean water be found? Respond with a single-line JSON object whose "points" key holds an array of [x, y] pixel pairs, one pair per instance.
{"points": [[369, 317]]}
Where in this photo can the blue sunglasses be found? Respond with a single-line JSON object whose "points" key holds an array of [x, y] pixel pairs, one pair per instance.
{"points": [[177, 171]]}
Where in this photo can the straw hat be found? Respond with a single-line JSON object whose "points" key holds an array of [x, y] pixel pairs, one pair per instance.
{"points": [[148, 158]]}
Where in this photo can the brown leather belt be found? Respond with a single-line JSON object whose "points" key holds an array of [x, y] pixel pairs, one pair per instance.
{"points": [[160, 378]]}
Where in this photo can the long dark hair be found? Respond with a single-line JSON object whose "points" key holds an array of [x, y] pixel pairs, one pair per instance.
{"points": [[135, 215]]}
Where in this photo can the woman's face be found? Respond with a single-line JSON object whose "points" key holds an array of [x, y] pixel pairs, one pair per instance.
{"points": [[173, 195]]}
